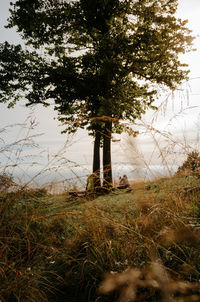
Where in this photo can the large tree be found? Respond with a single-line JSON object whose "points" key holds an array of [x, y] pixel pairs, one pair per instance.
{"points": [[100, 61]]}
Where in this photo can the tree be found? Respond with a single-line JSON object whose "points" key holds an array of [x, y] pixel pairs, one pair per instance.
{"points": [[102, 62], [191, 164]]}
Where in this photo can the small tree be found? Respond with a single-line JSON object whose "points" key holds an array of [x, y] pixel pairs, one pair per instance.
{"points": [[191, 164]]}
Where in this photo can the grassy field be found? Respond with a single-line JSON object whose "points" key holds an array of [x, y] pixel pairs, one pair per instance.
{"points": [[142, 245]]}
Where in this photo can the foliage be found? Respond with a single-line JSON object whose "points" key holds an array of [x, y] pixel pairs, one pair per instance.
{"points": [[124, 47], [6, 182], [191, 164]]}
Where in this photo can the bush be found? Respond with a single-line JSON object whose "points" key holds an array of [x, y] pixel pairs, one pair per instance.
{"points": [[6, 182], [191, 165]]}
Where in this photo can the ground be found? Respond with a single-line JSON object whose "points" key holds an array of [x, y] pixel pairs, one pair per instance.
{"points": [[58, 248]]}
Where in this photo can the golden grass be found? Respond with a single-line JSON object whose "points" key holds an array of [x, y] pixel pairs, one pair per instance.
{"points": [[58, 249]]}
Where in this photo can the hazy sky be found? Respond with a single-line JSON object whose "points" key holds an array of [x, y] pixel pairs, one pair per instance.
{"points": [[178, 116]]}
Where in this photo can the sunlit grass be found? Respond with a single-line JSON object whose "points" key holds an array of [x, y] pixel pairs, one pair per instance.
{"points": [[57, 248]]}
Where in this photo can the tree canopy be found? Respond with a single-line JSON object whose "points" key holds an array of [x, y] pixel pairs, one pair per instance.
{"points": [[100, 61]]}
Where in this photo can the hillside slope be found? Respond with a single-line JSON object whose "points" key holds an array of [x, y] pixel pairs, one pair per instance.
{"points": [[58, 248]]}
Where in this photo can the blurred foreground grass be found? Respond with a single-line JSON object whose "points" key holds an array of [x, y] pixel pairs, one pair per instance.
{"points": [[58, 248]]}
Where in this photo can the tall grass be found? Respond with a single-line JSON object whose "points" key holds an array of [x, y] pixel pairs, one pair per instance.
{"points": [[147, 241]]}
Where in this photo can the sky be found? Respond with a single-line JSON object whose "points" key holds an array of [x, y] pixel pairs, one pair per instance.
{"points": [[177, 121]]}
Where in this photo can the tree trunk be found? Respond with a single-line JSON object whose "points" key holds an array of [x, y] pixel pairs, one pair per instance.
{"points": [[96, 159], [107, 167]]}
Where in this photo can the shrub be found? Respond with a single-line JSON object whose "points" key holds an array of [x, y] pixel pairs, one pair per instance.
{"points": [[191, 165], [6, 182]]}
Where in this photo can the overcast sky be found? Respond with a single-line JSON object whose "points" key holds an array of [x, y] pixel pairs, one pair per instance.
{"points": [[178, 117]]}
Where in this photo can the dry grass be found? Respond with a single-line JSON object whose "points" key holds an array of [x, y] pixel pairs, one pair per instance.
{"points": [[59, 250]]}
